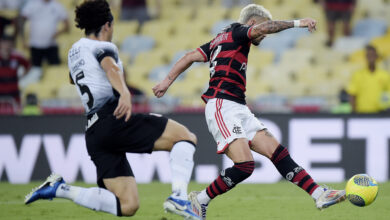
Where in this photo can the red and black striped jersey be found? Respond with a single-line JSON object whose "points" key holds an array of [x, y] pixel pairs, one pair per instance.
{"points": [[228, 57]]}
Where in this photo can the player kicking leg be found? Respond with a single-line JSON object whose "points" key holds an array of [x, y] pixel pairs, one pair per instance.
{"points": [[119, 195], [265, 144]]}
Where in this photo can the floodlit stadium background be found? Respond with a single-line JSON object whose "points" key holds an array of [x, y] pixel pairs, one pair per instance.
{"points": [[291, 72]]}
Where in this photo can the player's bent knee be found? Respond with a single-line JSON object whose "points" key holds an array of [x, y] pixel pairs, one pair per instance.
{"points": [[129, 209], [243, 170], [192, 137]]}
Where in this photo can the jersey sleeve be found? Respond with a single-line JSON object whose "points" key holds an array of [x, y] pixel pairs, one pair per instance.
{"points": [[205, 51], [242, 33], [62, 13], [107, 50], [27, 10], [353, 85]]}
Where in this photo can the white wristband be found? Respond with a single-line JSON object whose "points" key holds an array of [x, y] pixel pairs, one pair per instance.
{"points": [[297, 23]]}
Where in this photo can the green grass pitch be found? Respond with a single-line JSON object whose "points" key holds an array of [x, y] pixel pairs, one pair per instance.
{"points": [[246, 202]]}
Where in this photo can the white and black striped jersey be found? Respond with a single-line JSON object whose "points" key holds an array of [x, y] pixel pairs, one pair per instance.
{"points": [[91, 80]]}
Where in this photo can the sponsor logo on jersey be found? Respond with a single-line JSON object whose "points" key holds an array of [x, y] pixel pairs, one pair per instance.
{"points": [[218, 39]]}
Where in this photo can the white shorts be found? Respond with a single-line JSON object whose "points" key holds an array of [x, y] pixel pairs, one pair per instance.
{"points": [[228, 120]]}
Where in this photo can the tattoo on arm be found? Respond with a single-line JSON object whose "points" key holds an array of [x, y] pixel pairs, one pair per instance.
{"points": [[270, 27]]}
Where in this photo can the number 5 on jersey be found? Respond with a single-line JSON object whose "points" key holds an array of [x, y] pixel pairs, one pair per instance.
{"points": [[84, 89]]}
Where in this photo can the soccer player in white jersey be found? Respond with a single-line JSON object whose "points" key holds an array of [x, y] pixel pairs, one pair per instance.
{"points": [[112, 129], [234, 127]]}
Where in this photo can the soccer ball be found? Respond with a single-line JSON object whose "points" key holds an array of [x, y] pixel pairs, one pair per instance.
{"points": [[361, 190]]}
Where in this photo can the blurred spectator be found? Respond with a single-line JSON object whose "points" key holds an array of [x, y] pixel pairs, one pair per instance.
{"points": [[338, 10], [137, 10], [10, 62], [344, 106], [6, 20], [44, 16], [31, 107], [368, 85]]}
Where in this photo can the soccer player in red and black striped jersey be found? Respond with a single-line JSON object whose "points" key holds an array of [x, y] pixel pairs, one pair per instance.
{"points": [[10, 62], [235, 129]]}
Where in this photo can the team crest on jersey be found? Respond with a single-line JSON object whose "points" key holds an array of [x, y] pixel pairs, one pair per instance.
{"points": [[237, 129]]}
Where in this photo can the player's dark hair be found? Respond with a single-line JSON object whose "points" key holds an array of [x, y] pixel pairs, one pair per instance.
{"points": [[91, 15]]}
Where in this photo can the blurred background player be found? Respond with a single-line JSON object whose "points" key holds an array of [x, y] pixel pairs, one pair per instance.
{"points": [[112, 130], [338, 10], [368, 85], [234, 128], [44, 17], [10, 63]]}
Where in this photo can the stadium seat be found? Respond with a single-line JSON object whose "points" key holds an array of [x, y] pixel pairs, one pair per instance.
{"points": [[259, 57], [326, 57], [382, 44], [369, 28], [67, 91], [158, 73], [124, 29], [220, 25], [347, 45], [297, 57], [315, 41], [271, 103], [137, 43], [282, 41]]}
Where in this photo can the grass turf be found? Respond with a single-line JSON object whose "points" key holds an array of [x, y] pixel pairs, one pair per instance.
{"points": [[245, 202]]}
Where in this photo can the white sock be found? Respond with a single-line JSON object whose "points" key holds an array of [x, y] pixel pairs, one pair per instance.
{"points": [[317, 193], [182, 163], [203, 198], [95, 198]]}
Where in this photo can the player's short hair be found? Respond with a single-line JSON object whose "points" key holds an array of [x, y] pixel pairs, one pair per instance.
{"points": [[252, 10], [91, 15]]}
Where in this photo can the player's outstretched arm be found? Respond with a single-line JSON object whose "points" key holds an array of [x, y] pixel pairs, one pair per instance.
{"points": [[180, 66], [270, 27], [115, 75]]}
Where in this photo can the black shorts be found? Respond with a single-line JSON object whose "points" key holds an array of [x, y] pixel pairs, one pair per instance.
{"points": [[50, 54], [108, 140], [333, 15]]}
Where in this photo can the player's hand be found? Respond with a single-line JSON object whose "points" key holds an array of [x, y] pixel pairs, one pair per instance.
{"points": [[123, 108], [309, 23], [160, 89]]}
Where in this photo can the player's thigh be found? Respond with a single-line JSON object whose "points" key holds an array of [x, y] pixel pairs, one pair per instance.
{"points": [[173, 133], [125, 188], [264, 143], [239, 151]]}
